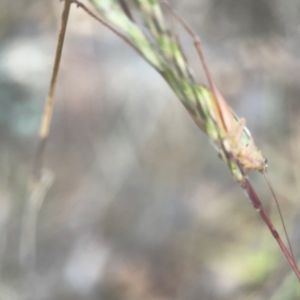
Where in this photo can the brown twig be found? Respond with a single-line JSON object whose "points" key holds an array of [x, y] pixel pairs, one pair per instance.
{"points": [[41, 180], [260, 209], [46, 119]]}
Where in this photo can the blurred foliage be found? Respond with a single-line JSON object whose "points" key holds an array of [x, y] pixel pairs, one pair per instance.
{"points": [[141, 207]]}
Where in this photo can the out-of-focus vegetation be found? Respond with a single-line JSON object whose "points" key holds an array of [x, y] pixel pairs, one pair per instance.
{"points": [[141, 207]]}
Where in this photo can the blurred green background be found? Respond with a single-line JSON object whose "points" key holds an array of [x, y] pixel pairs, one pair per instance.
{"points": [[141, 206]]}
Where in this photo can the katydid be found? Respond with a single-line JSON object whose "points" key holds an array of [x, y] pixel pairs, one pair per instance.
{"points": [[239, 136]]}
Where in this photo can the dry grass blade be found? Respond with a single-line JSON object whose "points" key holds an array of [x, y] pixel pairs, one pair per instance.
{"points": [[46, 119], [41, 180]]}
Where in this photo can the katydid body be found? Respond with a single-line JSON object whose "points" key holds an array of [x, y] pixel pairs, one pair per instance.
{"points": [[240, 138], [238, 135]]}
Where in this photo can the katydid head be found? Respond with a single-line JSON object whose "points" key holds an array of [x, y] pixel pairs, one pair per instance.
{"points": [[263, 163], [250, 158], [248, 154]]}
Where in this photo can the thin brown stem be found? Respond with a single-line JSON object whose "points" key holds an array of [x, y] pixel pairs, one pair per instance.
{"points": [[41, 181], [260, 209], [279, 211], [47, 116]]}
